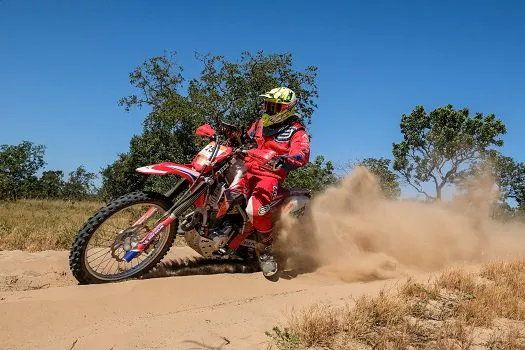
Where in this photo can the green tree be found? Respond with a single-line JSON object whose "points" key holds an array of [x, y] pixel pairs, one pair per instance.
{"points": [[18, 166], [509, 176], [230, 90], [80, 185], [51, 184], [29, 188], [388, 180], [316, 176], [441, 146], [224, 89]]}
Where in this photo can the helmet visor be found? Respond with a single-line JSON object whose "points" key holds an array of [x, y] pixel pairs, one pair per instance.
{"points": [[272, 108]]}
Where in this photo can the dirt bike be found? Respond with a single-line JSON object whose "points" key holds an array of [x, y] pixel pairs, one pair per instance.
{"points": [[136, 242]]}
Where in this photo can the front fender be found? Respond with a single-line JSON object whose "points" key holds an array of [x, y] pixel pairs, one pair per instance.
{"points": [[167, 168]]}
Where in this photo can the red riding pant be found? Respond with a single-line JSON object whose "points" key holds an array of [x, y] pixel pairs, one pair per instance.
{"points": [[260, 190]]}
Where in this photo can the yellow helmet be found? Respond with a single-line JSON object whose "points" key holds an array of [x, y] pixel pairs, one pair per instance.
{"points": [[279, 105]]}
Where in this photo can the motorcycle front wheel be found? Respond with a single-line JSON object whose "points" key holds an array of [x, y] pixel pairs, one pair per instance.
{"points": [[97, 253]]}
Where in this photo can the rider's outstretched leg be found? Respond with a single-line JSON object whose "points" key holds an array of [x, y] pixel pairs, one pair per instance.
{"points": [[258, 210]]}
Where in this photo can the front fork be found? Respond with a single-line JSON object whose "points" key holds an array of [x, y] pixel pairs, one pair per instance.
{"points": [[130, 254], [144, 242]]}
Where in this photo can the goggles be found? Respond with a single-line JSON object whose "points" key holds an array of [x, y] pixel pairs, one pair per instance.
{"points": [[272, 108]]}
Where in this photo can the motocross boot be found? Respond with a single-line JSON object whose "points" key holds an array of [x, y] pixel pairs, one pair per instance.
{"points": [[267, 260]]}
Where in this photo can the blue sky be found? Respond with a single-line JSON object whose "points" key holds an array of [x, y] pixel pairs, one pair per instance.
{"points": [[65, 64]]}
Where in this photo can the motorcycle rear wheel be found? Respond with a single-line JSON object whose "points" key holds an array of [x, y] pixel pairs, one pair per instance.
{"points": [[78, 258]]}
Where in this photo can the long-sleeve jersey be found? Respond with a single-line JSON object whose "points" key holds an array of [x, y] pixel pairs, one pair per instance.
{"points": [[290, 140]]}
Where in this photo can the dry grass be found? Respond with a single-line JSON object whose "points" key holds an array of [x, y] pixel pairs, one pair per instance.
{"points": [[36, 225], [456, 310]]}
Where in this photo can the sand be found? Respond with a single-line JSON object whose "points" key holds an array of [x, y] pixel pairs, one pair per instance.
{"points": [[219, 311], [353, 241]]}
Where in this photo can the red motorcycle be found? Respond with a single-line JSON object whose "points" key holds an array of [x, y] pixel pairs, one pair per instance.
{"points": [[130, 235]]}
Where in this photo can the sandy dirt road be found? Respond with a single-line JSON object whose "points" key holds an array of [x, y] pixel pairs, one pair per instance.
{"points": [[42, 308]]}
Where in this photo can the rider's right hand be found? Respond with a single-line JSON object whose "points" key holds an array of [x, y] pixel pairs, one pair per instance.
{"points": [[276, 163]]}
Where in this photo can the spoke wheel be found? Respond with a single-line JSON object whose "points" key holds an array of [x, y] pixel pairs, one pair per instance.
{"points": [[98, 251]]}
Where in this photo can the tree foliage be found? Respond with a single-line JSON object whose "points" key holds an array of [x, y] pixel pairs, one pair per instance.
{"points": [[510, 178], [80, 185], [388, 180], [19, 167], [230, 90], [441, 146], [51, 184], [508, 175], [316, 176], [224, 89]]}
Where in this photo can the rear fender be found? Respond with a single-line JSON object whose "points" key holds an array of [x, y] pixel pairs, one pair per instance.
{"points": [[295, 205], [167, 168]]}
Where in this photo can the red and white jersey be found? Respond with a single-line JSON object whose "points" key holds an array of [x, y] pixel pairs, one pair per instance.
{"points": [[291, 139]]}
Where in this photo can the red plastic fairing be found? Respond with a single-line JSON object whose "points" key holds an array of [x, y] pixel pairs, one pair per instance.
{"points": [[205, 131], [200, 160], [170, 168], [199, 203]]}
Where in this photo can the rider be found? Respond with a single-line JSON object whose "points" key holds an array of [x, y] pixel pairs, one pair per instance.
{"points": [[280, 130]]}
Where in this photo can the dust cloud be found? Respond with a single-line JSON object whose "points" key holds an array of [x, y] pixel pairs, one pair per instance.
{"points": [[353, 232]]}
